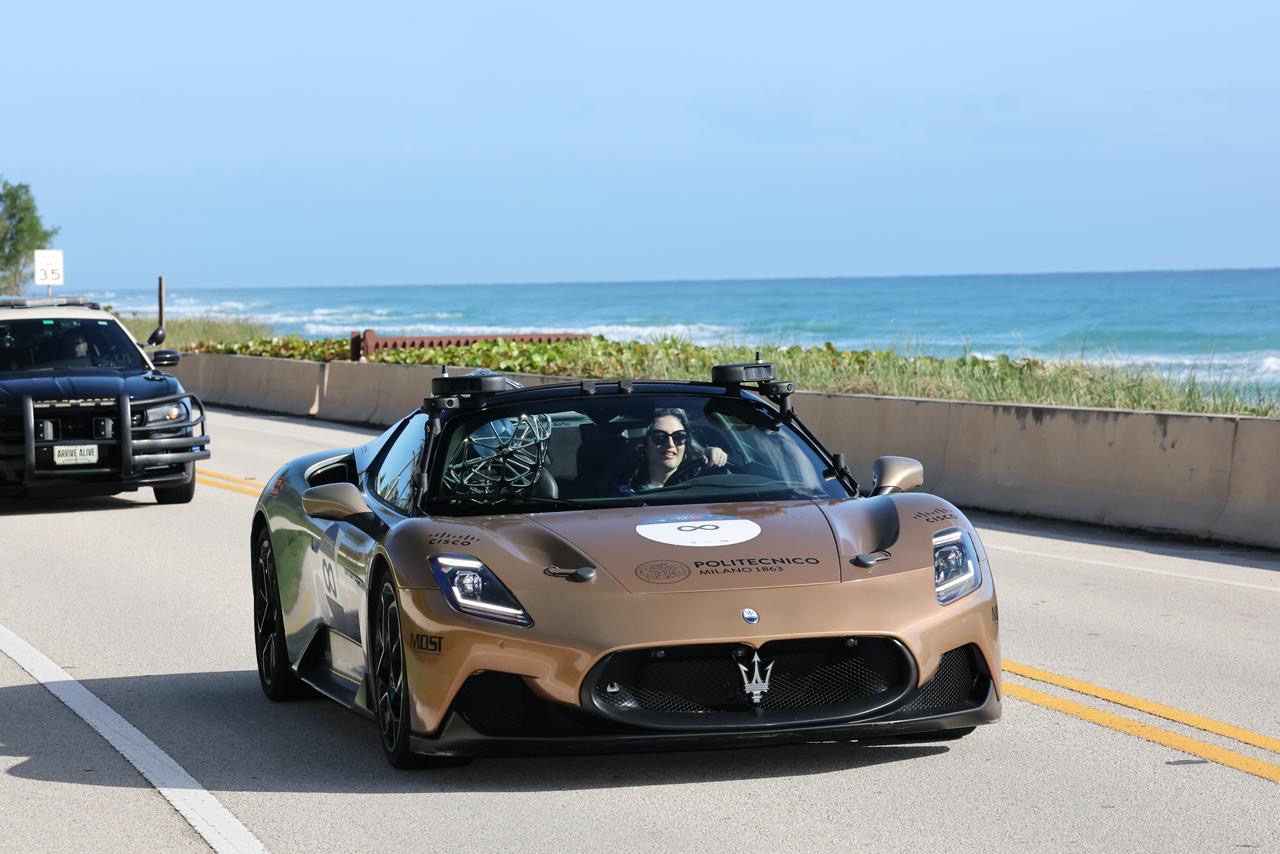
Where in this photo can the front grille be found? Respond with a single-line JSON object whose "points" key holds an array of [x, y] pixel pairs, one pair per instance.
{"points": [[811, 679], [953, 686], [74, 425]]}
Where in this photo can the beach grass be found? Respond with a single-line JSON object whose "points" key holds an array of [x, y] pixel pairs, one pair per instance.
{"points": [[827, 369], [188, 333]]}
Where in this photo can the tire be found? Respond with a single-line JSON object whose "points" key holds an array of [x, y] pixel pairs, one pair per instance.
{"points": [[277, 678], [177, 494], [391, 684]]}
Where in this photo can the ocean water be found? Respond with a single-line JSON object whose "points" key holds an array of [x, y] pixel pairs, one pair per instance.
{"points": [[1220, 323]]}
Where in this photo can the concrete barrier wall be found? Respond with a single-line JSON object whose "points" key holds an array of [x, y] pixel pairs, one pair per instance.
{"points": [[289, 386], [1208, 476], [1252, 514]]}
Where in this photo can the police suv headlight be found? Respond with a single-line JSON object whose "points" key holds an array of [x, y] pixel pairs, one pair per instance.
{"points": [[170, 412], [472, 588], [956, 568]]}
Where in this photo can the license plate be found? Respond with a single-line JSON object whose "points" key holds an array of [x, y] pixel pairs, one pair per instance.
{"points": [[74, 455]]}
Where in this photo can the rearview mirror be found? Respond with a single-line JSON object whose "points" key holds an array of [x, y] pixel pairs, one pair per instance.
{"points": [[895, 474], [334, 501], [157, 337], [165, 358]]}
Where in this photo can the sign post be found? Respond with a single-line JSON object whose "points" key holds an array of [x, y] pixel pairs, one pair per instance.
{"points": [[49, 270]]}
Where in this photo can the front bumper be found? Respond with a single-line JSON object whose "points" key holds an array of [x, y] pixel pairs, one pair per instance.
{"points": [[458, 737], [556, 659], [128, 455]]}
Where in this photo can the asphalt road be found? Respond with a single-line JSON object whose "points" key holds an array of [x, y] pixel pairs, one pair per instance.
{"points": [[149, 608]]}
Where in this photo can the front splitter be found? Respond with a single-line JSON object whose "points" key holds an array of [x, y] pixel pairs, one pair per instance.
{"points": [[458, 738]]}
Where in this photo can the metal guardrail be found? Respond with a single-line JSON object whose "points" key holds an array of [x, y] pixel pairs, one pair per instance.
{"points": [[368, 342]]}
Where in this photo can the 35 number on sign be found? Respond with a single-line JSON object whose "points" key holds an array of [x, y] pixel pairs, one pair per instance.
{"points": [[49, 271]]}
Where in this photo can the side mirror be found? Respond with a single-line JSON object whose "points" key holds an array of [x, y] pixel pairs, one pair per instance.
{"points": [[157, 337], [165, 358], [335, 501], [895, 474]]}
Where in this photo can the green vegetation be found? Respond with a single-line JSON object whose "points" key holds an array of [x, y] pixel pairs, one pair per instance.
{"points": [[21, 234], [824, 369], [191, 333]]}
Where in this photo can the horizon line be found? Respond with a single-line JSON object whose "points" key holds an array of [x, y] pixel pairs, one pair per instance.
{"points": [[740, 280]]}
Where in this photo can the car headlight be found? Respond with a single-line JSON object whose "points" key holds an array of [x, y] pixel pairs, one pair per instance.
{"points": [[472, 588], [956, 568], [175, 412]]}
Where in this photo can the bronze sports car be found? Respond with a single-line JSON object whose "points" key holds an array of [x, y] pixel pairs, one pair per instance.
{"points": [[619, 565]]}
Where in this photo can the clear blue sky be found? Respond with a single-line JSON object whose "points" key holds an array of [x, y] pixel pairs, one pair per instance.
{"points": [[234, 144]]}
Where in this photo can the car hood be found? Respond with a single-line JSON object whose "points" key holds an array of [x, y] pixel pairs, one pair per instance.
{"points": [[85, 383], [709, 547], [686, 548]]}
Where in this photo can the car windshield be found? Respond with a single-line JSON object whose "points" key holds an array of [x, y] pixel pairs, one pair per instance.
{"points": [[622, 450], [38, 343]]}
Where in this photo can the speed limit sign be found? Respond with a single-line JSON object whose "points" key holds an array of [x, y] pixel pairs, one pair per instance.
{"points": [[49, 271]]}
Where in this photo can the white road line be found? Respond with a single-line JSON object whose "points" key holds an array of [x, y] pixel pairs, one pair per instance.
{"points": [[1132, 568], [222, 830]]}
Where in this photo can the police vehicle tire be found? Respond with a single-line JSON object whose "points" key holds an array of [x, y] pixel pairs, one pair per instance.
{"points": [[176, 494]]}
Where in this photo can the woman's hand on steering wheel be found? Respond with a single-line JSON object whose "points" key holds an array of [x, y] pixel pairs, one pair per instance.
{"points": [[716, 458]]}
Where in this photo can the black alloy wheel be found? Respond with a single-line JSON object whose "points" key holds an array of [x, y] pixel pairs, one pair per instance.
{"points": [[278, 680], [390, 686]]}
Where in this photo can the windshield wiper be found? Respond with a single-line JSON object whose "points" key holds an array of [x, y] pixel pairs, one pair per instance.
{"points": [[557, 502], [502, 504]]}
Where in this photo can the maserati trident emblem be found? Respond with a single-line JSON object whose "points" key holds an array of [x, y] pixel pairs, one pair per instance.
{"points": [[752, 683], [750, 615]]}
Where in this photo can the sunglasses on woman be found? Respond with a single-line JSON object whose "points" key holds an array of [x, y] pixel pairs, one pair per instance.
{"points": [[659, 437]]}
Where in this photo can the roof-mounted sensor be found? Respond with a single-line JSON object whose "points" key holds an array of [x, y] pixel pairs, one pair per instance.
{"points": [[748, 372], [447, 386], [760, 373]]}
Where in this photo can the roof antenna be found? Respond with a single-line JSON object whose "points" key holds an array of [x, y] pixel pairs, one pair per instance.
{"points": [[444, 370], [757, 356]]}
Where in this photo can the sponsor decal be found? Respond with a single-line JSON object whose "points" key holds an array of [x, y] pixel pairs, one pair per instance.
{"points": [[935, 514], [449, 538], [750, 564], [662, 571], [699, 530], [427, 643]]}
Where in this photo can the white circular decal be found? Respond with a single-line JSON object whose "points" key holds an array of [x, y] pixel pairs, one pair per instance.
{"points": [[698, 529]]}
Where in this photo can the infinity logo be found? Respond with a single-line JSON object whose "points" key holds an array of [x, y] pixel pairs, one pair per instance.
{"points": [[698, 528]]}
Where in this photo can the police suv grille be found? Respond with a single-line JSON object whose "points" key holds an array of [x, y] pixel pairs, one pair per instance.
{"points": [[811, 679], [952, 686]]}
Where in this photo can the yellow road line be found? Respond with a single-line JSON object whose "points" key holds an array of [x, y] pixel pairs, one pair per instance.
{"points": [[1182, 743], [230, 477], [229, 487], [1161, 711]]}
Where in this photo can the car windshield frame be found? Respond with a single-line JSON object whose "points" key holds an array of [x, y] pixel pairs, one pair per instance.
{"points": [[737, 413], [66, 344]]}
